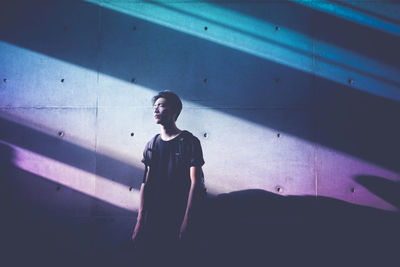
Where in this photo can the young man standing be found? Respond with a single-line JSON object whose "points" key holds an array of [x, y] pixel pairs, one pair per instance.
{"points": [[172, 184]]}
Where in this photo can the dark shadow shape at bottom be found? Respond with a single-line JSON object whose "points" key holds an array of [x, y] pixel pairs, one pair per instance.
{"points": [[253, 227], [243, 228], [386, 189]]}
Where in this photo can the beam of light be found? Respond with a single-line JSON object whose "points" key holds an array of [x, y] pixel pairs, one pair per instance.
{"points": [[76, 179], [287, 161], [25, 81], [346, 10], [260, 38], [336, 172]]}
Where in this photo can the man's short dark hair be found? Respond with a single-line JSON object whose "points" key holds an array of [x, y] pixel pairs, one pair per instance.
{"points": [[173, 101]]}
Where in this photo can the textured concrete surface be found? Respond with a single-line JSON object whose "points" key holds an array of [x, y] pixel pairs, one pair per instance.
{"points": [[296, 105]]}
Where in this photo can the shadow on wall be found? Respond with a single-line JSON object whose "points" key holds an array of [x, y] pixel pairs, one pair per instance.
{"points": [[239, 227], [254, 226], [243, 228], [45, 224], [156, 57], [385, 189], [66, 152], [330, 28]]}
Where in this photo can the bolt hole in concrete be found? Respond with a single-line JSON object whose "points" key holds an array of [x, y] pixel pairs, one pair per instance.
{"points": [[62, 80], [130, 188], [278, 135], [205, 28], [350, 81], [205, 135], [5, 80], [205, 80], [279, 189], [353, 190], [276, 28], [60, 133], [132, 134], [133, 80]]}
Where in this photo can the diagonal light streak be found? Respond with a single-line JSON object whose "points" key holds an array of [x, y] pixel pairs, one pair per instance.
{"points": [[260, 38], [343, 10], [77, 179]]}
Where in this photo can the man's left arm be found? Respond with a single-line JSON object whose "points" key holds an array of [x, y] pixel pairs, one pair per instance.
{"points": [[196, 173]]}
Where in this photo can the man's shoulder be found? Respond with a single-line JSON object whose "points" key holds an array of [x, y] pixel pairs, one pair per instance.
{"points": [[152, 140], [188, 136]]}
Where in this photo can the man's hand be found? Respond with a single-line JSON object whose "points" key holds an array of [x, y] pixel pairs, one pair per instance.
{"points": [[183, 230], [137, 232]]}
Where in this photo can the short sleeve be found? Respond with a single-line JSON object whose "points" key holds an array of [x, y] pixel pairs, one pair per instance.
{"points": [[195, 153], [145, 159], [146, 162]]}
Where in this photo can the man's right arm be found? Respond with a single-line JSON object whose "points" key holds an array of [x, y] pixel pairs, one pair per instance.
{"points": [[142, 206]]}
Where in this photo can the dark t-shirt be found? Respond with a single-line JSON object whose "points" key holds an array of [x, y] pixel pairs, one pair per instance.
{"points": [[169, 176]]}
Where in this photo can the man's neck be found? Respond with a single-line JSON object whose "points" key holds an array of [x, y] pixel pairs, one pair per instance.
{"points": [[170, 131]]}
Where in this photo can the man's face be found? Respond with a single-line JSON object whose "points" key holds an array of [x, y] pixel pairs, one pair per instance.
{"points": [[163, 114]]}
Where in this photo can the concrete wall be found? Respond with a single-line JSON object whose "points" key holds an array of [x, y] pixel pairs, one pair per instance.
{"points": [[299, 99]]}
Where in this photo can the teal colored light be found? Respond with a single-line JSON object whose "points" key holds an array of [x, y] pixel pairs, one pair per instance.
{"points": [[262, 39], [225, 27], [344, 10]]}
